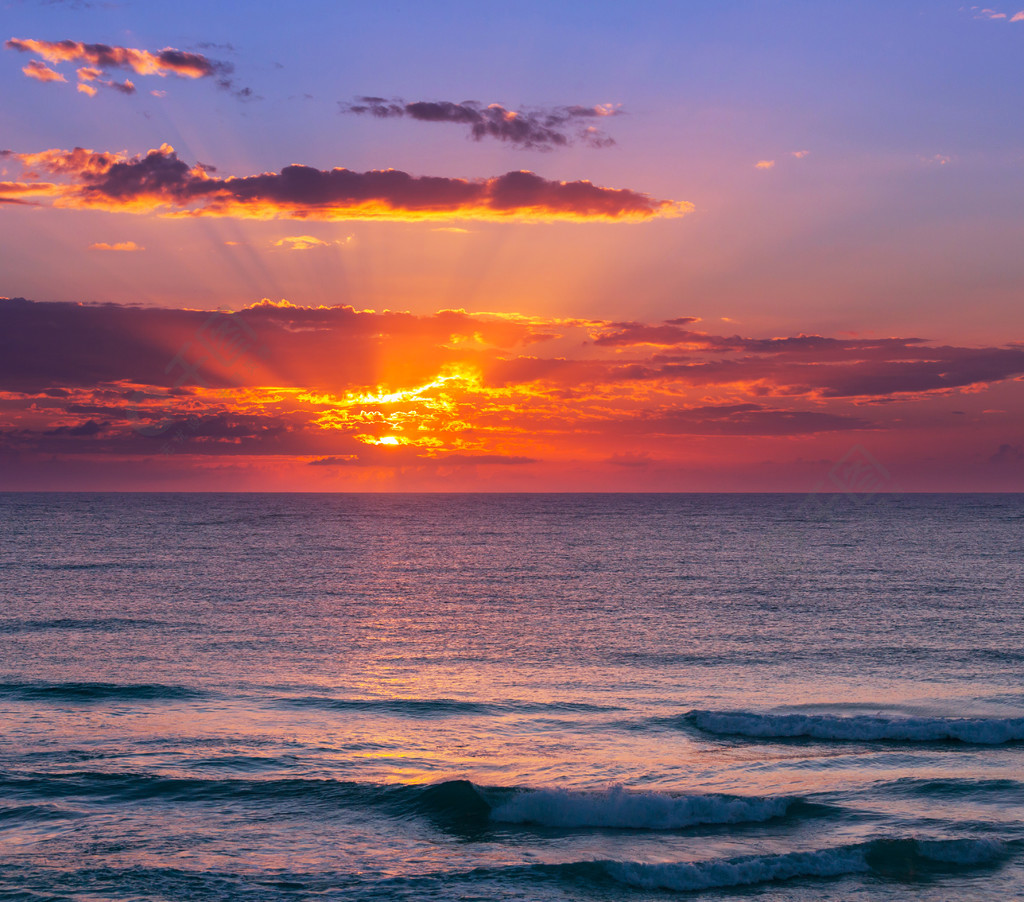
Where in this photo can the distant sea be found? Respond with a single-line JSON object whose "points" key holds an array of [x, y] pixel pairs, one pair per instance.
{"points": [[511, 697]]}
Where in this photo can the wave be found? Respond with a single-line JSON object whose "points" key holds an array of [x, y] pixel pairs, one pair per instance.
{"points": [[28, 882], [435, 707], [411, 707], [96, 692], [74, 566], [15, 815], [619, 808], [894, 858], [978, 789], [721, 873], [453, 803], [244, 763], [859, 727], [71, 623], [455, 806], [898, 859]]}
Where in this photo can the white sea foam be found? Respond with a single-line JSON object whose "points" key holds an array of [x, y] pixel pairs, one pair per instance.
{"points": [[980, 730], [622, 808], [834, 862]]}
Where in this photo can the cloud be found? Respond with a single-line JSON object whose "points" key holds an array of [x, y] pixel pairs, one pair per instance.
{"points": [[366, 388], [739, 419], [360, 395], [799, 154], [411, 456], [88, 429], [119, 246], [993, 14], [328, 348], [161, 183], [100, 59], [663, 334], [765, 164], [41, 72], [534, 129], [168, 61], [302, 243], [18, 192], [125, 87], [89, 77]]}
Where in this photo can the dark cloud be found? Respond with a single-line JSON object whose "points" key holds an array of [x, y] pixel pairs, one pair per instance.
{"points": [[160, 181], [669, 334], [504, 460], [88, 428], [664, 335], [227, 47], [535, 128], [740, 419], [124, 87], [936, 369], [59, 345]]}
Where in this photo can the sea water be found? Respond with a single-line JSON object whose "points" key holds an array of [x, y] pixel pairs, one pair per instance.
{"points": [[529, 697]]}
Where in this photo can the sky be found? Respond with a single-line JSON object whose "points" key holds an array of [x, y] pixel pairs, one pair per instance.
{"points": [[453, 246]]}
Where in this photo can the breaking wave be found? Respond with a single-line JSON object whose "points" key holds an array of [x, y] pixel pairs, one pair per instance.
{"points": [[621, 808], [454, 802]]}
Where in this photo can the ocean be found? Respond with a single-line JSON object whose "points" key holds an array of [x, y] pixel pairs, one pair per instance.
{"points": [[511, 697]]}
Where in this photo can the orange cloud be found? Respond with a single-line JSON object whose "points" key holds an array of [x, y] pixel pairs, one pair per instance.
{"points": [[41, 72], [168, 61], [343, 389], [100, 59], [119, 246], [17, 192], [301, 242], [89, 77], [161, 183], [764, 164]]}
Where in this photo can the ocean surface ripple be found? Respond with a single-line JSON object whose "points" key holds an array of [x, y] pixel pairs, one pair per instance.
{"points": [[511, 697]]}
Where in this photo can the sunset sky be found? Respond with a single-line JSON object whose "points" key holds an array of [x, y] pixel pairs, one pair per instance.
{"points": [[734, 246]]}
